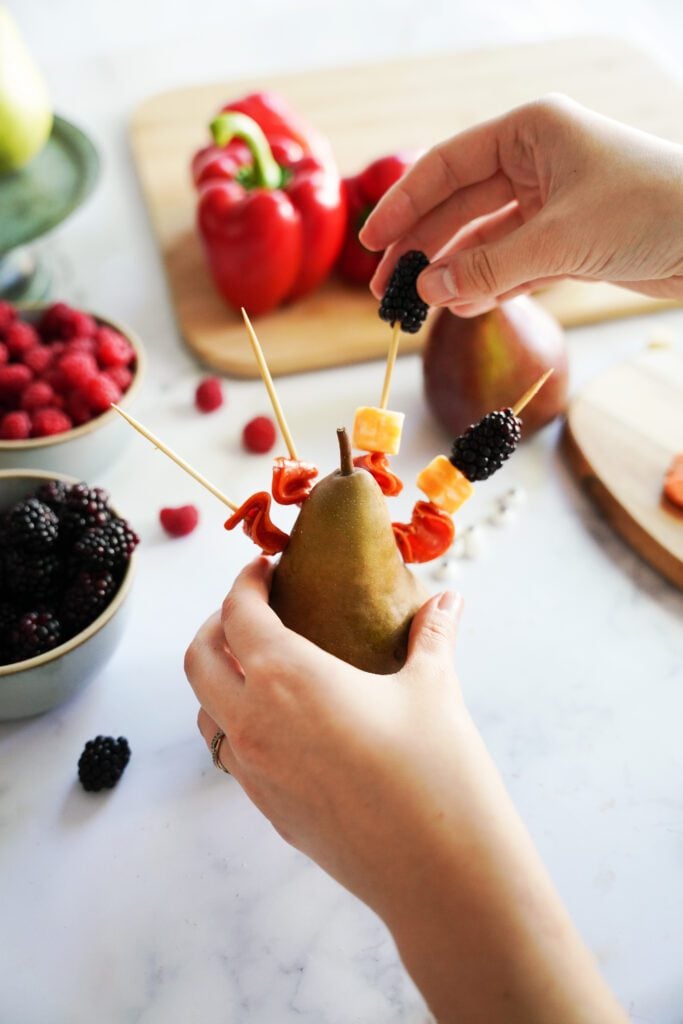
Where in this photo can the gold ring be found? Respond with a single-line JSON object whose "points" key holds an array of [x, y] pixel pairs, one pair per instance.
{"points": [[215, 748]]}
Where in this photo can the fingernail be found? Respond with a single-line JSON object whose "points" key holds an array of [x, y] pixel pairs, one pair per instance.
{"points": [[436, 286], [450, 602]]}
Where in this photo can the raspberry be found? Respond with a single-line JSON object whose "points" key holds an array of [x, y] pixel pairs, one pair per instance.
{"points": [[259, 434], [101, 391], [209, 394], [77, 368], [103, 762], [83, 507], [4, 354], [63, 322], [15, 426], [37, 395], [34, 633], [485, 446], [49, 421], [8, 315], [85, 598], [121, 376], [178, 522], [400, 300], [78, 407], [13, 379], [38, 358], [31, 525], [20, 337], [108, 546], [112, 349]]}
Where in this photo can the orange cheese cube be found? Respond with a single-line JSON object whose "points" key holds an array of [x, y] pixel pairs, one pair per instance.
{"points": [[444, 484], [377, 430]]}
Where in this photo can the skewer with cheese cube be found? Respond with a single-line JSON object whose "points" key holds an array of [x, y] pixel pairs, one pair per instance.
{"points": [[444, 484], [377, 430]]}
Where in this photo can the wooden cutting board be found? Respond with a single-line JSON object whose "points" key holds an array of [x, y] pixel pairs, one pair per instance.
{"points": [[367, 111], [622, 433]]}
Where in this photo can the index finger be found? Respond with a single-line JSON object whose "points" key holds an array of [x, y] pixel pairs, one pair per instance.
{"points": [[249, 623], [465, 159]]}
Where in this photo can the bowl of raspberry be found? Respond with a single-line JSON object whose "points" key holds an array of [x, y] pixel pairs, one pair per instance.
{"points": [[66, 568], [60, 370]]}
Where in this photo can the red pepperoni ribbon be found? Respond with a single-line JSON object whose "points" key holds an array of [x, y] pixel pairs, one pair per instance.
{"points": [[292, 480], [377, 464], [257, 524], [429, 533]]}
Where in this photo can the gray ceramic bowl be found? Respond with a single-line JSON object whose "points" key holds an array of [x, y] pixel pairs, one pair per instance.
{"points": [[38, 684], [85, 450]]}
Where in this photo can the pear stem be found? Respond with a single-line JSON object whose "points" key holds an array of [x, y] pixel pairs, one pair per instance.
{"points": [[345, 455]]}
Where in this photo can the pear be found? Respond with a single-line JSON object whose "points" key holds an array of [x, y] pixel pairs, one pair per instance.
{"points": [[25, 110], [341, 581]]}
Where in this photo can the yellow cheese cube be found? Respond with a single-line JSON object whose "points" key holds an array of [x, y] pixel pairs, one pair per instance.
{"points": [[377, 430], [444, 484]]}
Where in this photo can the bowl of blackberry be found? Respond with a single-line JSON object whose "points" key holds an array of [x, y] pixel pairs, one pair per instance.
{"points": [[66, 568], [60, 370]]}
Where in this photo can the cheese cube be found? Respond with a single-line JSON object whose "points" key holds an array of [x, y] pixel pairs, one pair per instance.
{"points": [[377, 430], [444, 484]]}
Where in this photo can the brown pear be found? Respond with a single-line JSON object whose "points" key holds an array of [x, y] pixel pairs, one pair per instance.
{"points": [[341, 581]]}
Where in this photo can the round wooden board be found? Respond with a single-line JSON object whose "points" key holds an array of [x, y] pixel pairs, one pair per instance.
{"points": [[622, 433]]}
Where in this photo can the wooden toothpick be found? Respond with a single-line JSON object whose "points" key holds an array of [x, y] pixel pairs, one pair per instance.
{"points": [[528, 395], [391, 359], [270, 387], [176, 458]]}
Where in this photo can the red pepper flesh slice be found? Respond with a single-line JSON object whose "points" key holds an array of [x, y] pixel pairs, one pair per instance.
{"points": [[292, 480], [257, 524], [429, 533], [377, 464]]}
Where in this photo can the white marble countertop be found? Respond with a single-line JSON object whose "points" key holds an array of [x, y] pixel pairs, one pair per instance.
{"points": [[171, 900]]}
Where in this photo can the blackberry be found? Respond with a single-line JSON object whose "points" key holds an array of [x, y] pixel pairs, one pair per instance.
{"points": [[34, 633], [84, 507], [400, 300], [53, 493], [31, 525], [485, 446], [103, 762], [85, 598], [106, 547], [32, 578], [8, 618]]}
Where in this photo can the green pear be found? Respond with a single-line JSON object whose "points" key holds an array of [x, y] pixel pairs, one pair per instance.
{"points": [[25, 110], [341, 581]]}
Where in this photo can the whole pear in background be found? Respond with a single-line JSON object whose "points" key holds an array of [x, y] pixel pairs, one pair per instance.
{"points": [[341, 581], [25, 109], [475, 365]]}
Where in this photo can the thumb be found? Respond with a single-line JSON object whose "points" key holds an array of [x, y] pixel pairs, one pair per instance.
{"points": [[433, 632], [488, 271]]}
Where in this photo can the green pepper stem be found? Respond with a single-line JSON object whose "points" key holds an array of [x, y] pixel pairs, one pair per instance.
{"points": [[234, 125]]}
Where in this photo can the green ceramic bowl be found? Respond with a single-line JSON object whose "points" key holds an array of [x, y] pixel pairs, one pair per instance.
{"points": [[41, 683], [86, 450]]}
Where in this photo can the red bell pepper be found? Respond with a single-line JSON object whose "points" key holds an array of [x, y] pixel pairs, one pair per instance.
{"points": [[356, 263], [270, 212], [257, 524], [292, 480], [377, 464], [429, 533]]}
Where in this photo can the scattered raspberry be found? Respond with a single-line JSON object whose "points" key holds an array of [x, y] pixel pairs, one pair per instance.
{"points": [[209, 394], [103, 762], [46, 422], [4, 354], [178, 522], [259, 434], [38, 358], [37, 395], [121, 376], [62, 322], [8, 315], [13, 379], [77, 368], [101, 391], [15, 426], [112, 349], [20, 337]]}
